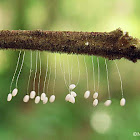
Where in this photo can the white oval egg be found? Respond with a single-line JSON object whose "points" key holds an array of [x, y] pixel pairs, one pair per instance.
{"points": [[14, 92], [122, 102], [87, 94], [45, 100], [95, 95], [73, 93], [72, 99], [43, 95], [67, 97], [26, 98], [37, 99], [95, 102], [52, 98], [107, 102], [72, 86], [9, 97], [32, 94]]}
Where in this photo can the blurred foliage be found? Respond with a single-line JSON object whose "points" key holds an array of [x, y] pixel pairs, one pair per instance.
{"points": [[61, 120]]}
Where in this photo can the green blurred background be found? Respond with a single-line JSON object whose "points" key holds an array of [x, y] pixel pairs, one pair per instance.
{"points": [[61, 120]]}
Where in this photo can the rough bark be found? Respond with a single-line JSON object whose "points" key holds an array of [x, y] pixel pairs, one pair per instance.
{"points": [[111, 45]]}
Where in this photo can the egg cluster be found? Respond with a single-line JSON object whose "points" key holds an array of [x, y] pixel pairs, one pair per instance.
{"points": [[39, 96]]}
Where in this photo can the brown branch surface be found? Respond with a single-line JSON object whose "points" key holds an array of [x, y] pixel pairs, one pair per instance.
{"points": [[111, 45]]}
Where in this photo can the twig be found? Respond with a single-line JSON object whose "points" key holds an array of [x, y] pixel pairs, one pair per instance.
{"points": [[111, 45]]}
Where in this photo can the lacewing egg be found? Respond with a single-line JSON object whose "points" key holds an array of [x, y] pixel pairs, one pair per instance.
{"points": [[87, 94], [73, 94], [43, 95], [9, 97], [52, 98], [95, 95], [37, 99], [67, 97], [122, 102], [32, 94], [14, 92], [45, 100], [95, 102], [72, 86], [107, 103], [26, 98]]}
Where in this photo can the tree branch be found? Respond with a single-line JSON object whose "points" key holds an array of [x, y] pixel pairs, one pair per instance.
{"points": [[111, 45]]}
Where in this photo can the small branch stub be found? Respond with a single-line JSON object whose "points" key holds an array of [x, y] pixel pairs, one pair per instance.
{"points": [[111, 45]]}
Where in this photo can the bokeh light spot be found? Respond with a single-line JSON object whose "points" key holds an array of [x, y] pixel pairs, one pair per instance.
{"points": [[100, 122]]}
